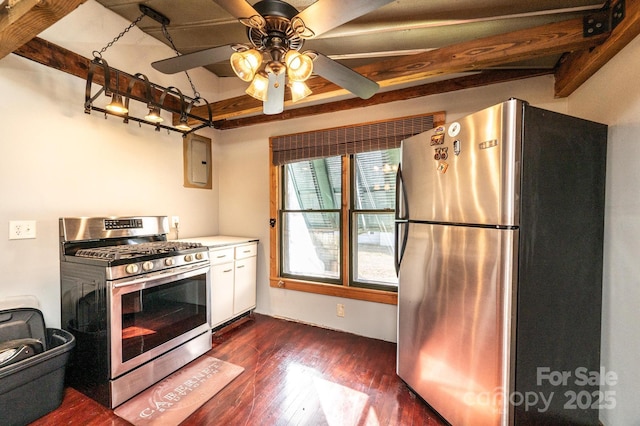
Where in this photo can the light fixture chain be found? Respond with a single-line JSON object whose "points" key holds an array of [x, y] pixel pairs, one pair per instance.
{"points": [[97, 54], [196, 95]]}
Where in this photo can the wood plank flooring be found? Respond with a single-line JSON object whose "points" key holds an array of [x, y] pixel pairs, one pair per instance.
{"points": [[295, 374]]}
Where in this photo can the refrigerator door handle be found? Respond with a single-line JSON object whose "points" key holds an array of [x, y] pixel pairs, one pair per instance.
{"points": [[400, 243], [401, 216], [402, 204]]}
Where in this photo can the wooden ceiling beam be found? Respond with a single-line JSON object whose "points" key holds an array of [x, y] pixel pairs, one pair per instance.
{"points": [[577, 67], [550, 39], [59, 58], [22, 20], [476, 80], [566, 36]]}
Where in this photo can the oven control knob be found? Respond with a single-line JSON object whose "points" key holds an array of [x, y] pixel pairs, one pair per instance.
{"points": [[188, 258], [169, 261], [131, 268], [147, 266], [199, 256]]}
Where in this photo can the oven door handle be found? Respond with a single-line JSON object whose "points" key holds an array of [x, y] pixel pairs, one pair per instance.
{"points": [[162, 275]]}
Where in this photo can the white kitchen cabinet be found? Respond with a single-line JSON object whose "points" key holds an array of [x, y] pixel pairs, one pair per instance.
{"points": [[244, 296], [222, 285], [233, 276]]}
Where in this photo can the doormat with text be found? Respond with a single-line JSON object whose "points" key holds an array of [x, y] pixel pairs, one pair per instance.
{"points": [[173, 399]]}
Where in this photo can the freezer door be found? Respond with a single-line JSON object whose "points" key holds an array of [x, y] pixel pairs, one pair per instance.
{"points": [[455, 320], [466, 171]]}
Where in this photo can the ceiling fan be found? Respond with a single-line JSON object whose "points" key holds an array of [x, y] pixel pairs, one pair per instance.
{"points": [[272, 59]]}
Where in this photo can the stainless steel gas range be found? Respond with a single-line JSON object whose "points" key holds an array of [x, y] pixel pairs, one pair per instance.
{"points": [[137, 304]]}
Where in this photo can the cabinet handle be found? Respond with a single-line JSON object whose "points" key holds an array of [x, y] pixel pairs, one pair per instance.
{"points": [[221, 256], [228, 270], [240, 266]]}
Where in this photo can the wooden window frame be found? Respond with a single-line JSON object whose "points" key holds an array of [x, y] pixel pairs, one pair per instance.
{"points": [[318, 287]]}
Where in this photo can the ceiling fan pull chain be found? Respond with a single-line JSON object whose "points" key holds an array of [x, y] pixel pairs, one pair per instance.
{"points": [[97, 54], [196, 95]]}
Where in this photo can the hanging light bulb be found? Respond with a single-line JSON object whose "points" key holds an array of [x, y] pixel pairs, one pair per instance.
{"points": [[246, 63], [299, 66], [258, 87], [116, 106], [183, 124], [154, 115], [299, 90]]}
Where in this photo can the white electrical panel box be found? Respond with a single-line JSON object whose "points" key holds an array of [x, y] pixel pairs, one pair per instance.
{"points": [[197, 162]]}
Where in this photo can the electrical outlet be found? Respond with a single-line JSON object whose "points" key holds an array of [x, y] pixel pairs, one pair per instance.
{"points": [[340, 310], [22, 229], [175, 221]]}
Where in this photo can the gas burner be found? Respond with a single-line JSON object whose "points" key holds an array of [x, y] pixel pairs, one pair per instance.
{"points": [[130, 251]]}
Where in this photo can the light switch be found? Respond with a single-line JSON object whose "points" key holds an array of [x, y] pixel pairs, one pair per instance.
{"points": [[22, 229]]}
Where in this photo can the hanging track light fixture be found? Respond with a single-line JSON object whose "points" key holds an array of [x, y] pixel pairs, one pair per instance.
{"points": [[140, 89]]}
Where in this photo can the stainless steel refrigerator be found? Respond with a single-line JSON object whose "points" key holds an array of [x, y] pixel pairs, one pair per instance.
{"points": [[499, 233]]}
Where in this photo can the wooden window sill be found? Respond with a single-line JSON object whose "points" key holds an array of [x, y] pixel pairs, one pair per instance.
{"points": [[336, 290]]}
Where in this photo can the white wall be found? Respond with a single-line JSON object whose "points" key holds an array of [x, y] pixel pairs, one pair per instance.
{"points": [[57, 161], [612, 96]]}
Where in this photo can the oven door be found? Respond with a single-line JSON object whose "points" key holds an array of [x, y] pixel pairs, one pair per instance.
{"points": [[155, 313]]}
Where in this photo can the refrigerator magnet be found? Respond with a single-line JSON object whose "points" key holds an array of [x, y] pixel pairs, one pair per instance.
{"points": [[454, 129], [442, 167], [437, 139]]}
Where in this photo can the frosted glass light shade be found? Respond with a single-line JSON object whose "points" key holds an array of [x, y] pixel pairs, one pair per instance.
{"points": [[299, 90], [246, 63], [258, 87], [299, 66]]}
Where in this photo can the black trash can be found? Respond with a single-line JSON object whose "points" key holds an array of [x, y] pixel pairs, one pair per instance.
{"points": [[32, 365]]}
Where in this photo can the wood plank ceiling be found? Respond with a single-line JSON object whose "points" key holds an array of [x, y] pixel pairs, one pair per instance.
{"points": [[403, 46]]}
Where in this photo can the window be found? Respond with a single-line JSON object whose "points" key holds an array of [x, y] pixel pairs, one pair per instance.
{"points": [[333, 208], [311, 217], [372, 219]]}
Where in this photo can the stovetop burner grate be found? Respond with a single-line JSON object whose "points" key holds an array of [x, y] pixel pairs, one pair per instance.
{"points": [[130, 251]]}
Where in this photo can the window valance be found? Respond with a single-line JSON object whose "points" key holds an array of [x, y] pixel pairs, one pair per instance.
{"points": [[350, 140]]}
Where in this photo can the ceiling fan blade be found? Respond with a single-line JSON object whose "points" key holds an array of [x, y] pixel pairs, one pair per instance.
{"points": [[243, 11], [344, 77], [275, 94], [325, 15], [193, 60]]}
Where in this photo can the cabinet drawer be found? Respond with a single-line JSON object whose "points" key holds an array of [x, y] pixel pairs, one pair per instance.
{"points": [[246, 251], [221, 256]]}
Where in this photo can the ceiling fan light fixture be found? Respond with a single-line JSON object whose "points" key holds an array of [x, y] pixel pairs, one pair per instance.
{"points": [[299, 66], [154, 115], [246, 63], [258, 87], [116, 106], [299, 90]]}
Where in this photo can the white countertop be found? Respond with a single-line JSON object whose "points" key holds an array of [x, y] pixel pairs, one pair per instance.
{"points": [[220, 240]]}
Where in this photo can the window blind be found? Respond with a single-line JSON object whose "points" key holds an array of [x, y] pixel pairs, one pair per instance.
{"points": [[349, 140]]}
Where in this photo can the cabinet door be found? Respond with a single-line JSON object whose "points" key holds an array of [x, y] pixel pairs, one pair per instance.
{"points": [[222, 279], [245, 285]]}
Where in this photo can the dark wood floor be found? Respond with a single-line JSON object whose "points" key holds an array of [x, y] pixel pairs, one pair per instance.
{"points": [[294, 374]]}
